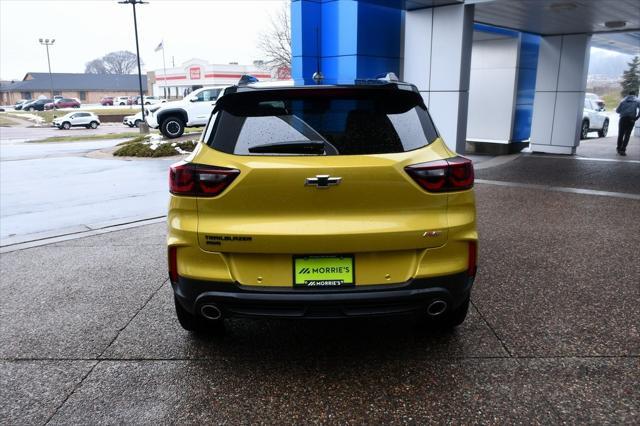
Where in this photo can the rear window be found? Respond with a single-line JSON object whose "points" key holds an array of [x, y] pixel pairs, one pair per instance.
{"points": [[343, 121]]}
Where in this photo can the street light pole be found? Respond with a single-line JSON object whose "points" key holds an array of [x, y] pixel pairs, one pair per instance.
{"points": [[46, 42], [144, 128]]}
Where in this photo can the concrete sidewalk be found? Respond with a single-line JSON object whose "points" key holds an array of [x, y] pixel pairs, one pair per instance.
{"points": [[88, 333]]}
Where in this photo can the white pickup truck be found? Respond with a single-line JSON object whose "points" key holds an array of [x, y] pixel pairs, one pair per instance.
{"points": [[192, 111]]}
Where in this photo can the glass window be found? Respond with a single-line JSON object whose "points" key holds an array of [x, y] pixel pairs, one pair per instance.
{"points": [[344, 122], [207, 95], [82, 95]]}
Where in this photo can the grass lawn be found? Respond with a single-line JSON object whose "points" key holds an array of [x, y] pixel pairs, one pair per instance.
{"points": [[6, 121], [86, 137], [611, 100]]}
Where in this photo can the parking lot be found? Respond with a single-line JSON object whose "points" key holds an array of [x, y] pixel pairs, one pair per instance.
{"points": [[69, 191], [89, 333]]}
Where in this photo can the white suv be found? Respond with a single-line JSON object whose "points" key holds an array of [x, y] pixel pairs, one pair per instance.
{"points": [[193, 111], [121, 100], [593, 119], [77, 119], [152, 100]]}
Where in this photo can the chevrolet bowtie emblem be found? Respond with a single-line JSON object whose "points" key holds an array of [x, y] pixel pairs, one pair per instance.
{"points": [[322, 181]]}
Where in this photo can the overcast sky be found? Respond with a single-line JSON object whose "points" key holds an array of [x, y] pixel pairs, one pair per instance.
{"points": [[219, 31]]}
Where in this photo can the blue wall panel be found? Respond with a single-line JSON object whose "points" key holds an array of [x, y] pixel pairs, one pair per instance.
{"points": [[339, 33], [527, 70], [347, 39]]}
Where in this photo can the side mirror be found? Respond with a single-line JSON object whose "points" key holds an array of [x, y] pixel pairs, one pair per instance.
{"points": [[193, 100]]}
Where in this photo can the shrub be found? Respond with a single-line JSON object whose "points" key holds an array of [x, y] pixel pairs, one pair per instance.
{"points": [[137, 148]]}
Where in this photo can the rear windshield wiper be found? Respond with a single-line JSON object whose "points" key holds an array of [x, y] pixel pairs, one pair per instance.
{"points": [[292, 147]]}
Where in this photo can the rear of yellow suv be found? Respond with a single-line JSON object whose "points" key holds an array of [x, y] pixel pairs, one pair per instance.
{"points": [[321, 202]]}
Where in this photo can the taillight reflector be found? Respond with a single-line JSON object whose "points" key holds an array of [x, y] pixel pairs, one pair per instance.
{"points": [[173, 264], [473, 259], [198, 180], [453, 174]]}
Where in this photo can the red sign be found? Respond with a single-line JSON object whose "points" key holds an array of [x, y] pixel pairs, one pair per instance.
{"points": [[194, 73]]}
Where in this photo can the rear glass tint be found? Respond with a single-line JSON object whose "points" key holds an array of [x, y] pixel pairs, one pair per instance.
{"points": [[352, 122]]}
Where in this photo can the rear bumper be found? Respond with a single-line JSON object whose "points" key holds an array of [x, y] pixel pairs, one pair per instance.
{"points": [[235, 300]]}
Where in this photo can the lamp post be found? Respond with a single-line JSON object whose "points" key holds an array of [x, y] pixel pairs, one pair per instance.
{"points": [[144, 127], [46, 42]]}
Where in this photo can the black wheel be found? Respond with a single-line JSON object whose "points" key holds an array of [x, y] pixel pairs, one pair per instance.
{"points": [[137, 123], [66, 125], [29, 109], [121, 103], [172, 127], [451, 319], [605, 129], [94, 125], [196, 324], [584, 130]]}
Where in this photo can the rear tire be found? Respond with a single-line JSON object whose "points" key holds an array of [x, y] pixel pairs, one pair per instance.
{"points": [[94, 125], [584, 130], [172, 127], [195, 324], [605, 129]]}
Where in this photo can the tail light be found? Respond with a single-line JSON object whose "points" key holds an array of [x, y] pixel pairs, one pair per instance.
{"points": [[173, 264], [473, 259], [198, 180], [453, 174]]}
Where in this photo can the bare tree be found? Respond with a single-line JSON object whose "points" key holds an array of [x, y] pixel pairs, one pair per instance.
{"points": [[121, 62], [275, 42], [95, 67]]}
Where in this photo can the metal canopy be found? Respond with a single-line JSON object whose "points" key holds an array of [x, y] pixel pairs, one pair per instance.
{"points": [[628, 43], [557, 17]]}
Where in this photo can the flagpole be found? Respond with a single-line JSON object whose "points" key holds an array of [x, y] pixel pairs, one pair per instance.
{"points": [[164, 64]]}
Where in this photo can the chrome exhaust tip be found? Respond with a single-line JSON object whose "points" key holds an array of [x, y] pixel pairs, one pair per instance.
{"points": [[437, 307], [211, 312]]}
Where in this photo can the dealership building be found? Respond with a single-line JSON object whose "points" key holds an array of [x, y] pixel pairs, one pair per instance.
{"points": [[176, 82], [496, 75]]}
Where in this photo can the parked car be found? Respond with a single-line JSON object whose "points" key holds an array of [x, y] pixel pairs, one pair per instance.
{"points": [[593, 119], [133, 100], [136, 120], [37, 105], [18, 106], [194, 111], [595, 98], [152, 100], [63, 103], [106, 100], [325, 202], [121, 100], [77, 119]]}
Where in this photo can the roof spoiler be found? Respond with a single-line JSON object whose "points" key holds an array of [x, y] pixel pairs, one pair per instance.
{"points": [[247, 79]]}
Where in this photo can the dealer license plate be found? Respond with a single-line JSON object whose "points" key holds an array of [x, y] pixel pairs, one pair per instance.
{"points": [[323, 271]]}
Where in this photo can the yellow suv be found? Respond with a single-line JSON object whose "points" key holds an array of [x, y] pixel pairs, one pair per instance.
{"points": [[321, 202]]}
